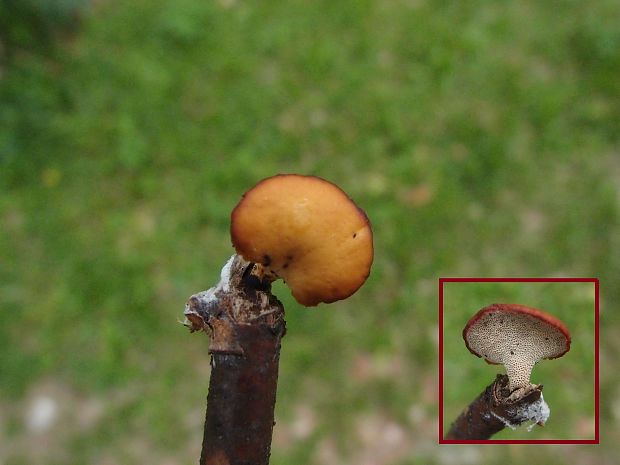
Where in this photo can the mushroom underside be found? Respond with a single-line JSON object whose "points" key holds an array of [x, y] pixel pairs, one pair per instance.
{"points": [[517, 341]]}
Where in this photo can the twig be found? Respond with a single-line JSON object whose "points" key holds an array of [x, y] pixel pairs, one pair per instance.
{"points": [[493, 410], [246, 324]]}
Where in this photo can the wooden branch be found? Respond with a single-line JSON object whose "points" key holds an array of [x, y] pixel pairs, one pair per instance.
{"points": [[246, 324], [494, 409]]}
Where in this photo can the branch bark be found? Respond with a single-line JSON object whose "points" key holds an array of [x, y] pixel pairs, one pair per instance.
{"points": [[246, 324], [493, 410]]}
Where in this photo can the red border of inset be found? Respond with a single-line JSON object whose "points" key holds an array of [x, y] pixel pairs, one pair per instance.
{"points": [[596, 439]]}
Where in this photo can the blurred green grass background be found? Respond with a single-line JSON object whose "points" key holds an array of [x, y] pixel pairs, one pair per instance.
{"points": [[480, 137], [569, 383]]}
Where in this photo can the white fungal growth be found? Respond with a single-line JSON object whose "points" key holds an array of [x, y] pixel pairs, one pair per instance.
{"points": [[223, 286], [537, 412], [210, 295], [516, 340], [505, 421], [225, 275]]}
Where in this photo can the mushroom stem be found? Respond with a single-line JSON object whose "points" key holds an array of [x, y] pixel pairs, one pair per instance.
{"points": [[519, 372], [246, 324], [494, 409]]}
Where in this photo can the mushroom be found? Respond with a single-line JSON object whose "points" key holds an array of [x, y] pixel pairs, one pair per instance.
{"points": [[517, 337], [306, 231]]}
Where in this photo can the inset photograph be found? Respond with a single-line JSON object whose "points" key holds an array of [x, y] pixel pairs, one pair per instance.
{"points": [[518, 360]]}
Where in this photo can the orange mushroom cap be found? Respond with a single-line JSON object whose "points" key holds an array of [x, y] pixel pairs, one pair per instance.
{"points": [[307, 231]]}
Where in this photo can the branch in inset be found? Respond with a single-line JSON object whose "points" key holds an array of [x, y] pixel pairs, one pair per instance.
{"points": [[494, 409]]}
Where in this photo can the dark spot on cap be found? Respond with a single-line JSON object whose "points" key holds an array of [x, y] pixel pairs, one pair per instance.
{"points": [[546, 339], [512, 352], [266, 260], [354, 235]]}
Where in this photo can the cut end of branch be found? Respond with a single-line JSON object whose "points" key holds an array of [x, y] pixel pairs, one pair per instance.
{"points": [[243, 296], [521, 406]]}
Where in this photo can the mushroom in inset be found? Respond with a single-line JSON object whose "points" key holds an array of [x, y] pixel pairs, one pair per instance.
{"points": [[517, 337], [306, 231]]}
